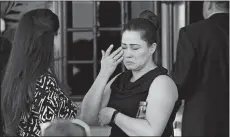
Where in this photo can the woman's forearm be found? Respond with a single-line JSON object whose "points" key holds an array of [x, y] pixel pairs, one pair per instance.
{"points": [[133, 126], [92, 100]]}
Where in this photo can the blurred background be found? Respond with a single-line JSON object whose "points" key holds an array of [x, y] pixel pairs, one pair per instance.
{"points": [[87, 27]]}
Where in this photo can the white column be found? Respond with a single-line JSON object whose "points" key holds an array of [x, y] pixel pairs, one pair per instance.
{"points": [[179, 21], [166, 34], [173, 18], [58, 42], [157, 54]]}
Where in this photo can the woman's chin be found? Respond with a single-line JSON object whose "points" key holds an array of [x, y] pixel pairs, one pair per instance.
{"points": [[130, 68]]}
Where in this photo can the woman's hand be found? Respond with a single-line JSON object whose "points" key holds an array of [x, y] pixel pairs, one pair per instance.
{"points": [[109, 61], [105, 115]]}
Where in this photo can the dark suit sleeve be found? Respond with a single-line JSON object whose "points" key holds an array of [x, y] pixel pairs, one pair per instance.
{"points": [[182, 68]]}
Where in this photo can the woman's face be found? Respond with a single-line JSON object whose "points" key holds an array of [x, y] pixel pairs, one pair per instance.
{"points": [[137, 52]]}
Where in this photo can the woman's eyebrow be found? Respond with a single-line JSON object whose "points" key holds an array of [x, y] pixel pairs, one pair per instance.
{"points": [[134, 45], [131, 44]]}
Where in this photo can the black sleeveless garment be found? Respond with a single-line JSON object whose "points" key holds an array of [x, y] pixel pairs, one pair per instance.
{"points": [[125, 97]]}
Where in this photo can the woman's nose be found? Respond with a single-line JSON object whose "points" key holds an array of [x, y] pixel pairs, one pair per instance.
{"points": [[127, 53]]}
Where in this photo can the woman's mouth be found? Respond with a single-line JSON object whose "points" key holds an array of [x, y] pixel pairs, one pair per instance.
{"points": [[129, 62]]}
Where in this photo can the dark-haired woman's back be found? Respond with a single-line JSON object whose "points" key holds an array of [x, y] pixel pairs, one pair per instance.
{"points": [[5, 48], [49, 103]]}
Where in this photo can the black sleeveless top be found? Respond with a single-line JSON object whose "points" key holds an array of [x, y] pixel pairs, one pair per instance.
{"points": [[125, 97]]}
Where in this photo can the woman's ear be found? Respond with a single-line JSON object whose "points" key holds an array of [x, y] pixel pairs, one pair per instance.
{"points": [[153, 47]]}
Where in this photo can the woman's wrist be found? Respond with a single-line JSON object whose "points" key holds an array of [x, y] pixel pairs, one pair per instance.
{"points": [[112, 121], [103, 75], [114, 116]]}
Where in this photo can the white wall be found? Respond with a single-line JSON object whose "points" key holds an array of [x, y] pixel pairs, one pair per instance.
{"points": [[82, 17], [139, 6]]}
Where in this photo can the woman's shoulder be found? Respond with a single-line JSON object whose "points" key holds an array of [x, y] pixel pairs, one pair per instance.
{"points": [[164, 84], [120, 78], [46, 80], [123, 75], [48, 87], [164, 79]]}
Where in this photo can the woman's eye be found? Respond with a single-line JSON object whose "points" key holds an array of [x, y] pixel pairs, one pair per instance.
{"points": [[123, 47], [135, 48]]}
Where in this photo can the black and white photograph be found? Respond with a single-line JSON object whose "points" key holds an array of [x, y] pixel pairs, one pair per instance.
{"points": [[114, 68]]}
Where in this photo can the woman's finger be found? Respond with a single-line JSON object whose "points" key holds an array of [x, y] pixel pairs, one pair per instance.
{"points": [[107, 53], [115, 52], [119, 60], [100, 122], [103, 53], [118, 55]]}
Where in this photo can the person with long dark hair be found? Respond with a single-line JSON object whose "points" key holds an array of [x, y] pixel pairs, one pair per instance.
{"points": [[5, 48], [31, 92]]}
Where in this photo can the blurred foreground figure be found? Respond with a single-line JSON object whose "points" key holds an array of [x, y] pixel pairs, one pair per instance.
{"points": [[65, 128]]}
